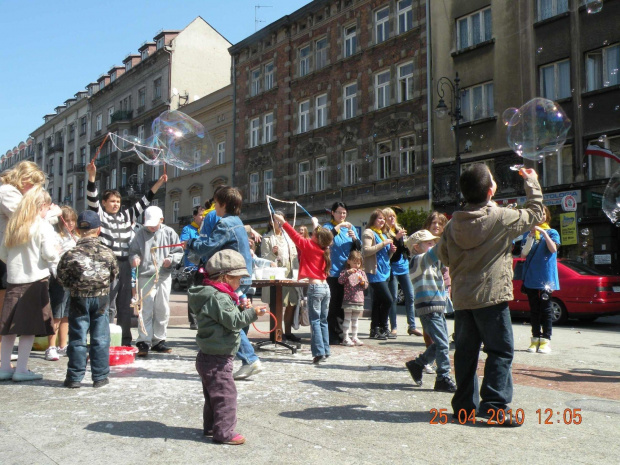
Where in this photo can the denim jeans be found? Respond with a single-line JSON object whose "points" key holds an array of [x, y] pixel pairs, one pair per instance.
{"points": [[541, 313], [318, 308], [246, 350], [435, 326], [407, 287], [89, 314], [381, 303], [493, 327]]}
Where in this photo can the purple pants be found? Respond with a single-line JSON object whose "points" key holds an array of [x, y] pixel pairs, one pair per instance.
{"points": [[218, 386]]}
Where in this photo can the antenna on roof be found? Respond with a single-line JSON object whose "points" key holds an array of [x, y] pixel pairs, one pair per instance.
{"points": [[256, 20]]}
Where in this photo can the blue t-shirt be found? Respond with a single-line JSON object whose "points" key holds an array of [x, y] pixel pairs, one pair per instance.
{"points": [[339, 250], [541, 266], [383, 263], [401, 266]]}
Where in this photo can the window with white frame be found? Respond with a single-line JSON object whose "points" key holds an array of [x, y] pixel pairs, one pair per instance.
{"points": [[304, 60], [140, 174], [83, 123], [145, 54], [254, 188], [602, 67], [350, 167], [477, 102], [155, 172], [603, 167], [405, 82], [160, 44], [99, 122], [384, 166], [474, 28], [254, 132], [141, 132], [268, 182], [81, 189], [142, 97], [350, 41], [405, 16], [255, 82], [320, 174], [320, 60], [267, 128], [558, 168], [550, 8], [382, 90], [175, 211], [304, 116], [157, 89], [221, 152], [196, 201], [407, 155], [382, 25], [269, 72], [113, 76], [320, 107], [304, 178], [125, 138], [555, 80], [110, 113], [83, 155], [350, 100]]}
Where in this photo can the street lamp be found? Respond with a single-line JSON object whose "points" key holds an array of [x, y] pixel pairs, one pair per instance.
{"points": [[442, 110]]}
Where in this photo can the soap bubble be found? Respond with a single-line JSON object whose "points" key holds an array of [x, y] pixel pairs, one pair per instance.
{"points": [[617, 107], [611, 198], [591, 105], [150, 151], [594, 6], [541, 130], [584, 244], [585, 232], [602, 138], [511, 116]]}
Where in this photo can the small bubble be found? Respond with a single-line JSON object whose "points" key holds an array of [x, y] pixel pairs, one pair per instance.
{"points": [[602, 138], [585, 232], [591, 105], [539, 50], [572, 91], [606, 84], [482, 136], [585, 165], [617, 107], [584, 244], [605, 42]]}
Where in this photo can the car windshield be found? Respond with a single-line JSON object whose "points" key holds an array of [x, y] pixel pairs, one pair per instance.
{"points": [[581, 268]]}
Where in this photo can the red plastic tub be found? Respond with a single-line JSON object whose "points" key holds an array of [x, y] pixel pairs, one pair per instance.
{"points": [[122, 355]]}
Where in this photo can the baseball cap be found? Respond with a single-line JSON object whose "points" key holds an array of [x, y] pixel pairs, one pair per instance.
{"points": [[88, 219], [228, 262], [152, 216], [419, 236]]}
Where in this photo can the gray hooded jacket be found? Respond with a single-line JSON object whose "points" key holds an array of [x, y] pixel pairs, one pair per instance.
{"points": [[477, 244], [142, 243]]}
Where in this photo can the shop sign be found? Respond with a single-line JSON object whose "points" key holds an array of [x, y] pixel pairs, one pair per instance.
{"points": [[569, 204], [552, 198], [604, 259], [595, 200], [568, 228]]}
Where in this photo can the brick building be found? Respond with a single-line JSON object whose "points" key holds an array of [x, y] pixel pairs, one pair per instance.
{"points": [[330, 105]]}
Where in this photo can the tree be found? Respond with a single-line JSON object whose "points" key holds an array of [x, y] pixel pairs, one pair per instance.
{"points": [[412, 220]]}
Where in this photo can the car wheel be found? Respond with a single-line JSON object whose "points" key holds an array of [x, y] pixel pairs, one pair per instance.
{"points": [[559, 315], [175, 285]]}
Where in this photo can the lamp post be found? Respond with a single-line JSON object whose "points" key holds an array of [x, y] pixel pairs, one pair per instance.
{"points": [[442, 110]]}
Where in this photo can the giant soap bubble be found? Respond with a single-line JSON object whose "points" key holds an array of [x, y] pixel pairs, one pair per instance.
{"points": [[149, 151], [538, 129], [611, 198]]}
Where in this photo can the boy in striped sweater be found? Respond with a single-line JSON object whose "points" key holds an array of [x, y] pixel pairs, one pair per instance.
{"points": [[116, 233], [430, 306]]}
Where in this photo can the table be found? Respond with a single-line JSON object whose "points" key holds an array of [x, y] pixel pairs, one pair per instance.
{"points": [[276, 307]]}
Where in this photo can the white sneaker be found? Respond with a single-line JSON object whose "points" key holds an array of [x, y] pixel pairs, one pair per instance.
{"points": [[51, 354], [248, 370], [13, 357], [348, 342], [428, 369], [62, 351]]}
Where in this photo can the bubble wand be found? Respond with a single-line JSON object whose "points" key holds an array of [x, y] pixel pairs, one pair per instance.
{"points": [[100, 147]]}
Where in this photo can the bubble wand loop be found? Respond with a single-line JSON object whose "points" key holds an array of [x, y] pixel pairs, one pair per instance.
{"points": [[275, 326]]}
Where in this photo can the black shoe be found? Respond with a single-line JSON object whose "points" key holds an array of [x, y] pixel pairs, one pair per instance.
{"points": [[499, 419], [373, 333], [161, 347], [292, 338], [143, 349], [193, 326], [416, 371], [318, 359], [72, 384], [445, 385], [101, 383]]}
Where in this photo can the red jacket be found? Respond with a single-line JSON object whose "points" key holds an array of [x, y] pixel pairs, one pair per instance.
{"points": [[311, 258]]}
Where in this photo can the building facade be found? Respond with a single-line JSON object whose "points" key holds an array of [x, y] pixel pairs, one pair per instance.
{"points": [[330, 105]]}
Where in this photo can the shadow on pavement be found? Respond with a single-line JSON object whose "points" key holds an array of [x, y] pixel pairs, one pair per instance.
{"points": [[357, 412], [147, 430], [344, 386], [576, 375]]}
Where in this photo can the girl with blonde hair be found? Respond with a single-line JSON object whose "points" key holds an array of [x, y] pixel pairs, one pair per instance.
{"points": [[29, 249]]}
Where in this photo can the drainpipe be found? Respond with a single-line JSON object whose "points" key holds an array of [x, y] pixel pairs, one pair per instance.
{"points": [[234, 117], [429, 108]]}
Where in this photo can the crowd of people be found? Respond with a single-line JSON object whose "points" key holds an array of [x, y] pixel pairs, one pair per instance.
{"points": [[68, 275]]}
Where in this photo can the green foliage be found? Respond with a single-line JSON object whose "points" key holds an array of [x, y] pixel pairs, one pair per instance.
{"points": [[412, 220]]}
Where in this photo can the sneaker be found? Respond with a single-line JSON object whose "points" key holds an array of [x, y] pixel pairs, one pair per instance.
{"points": [[143, 349], [291, 337], [28, 376], [380, 335], [535, 342], [62, 351], [348, 342], [101, 382], [248, 370], [13, 357], [373, 333], [318, 359], [392, 334], [499, 419], [445, 384], [415, 370], [357, 342], [428, 369], [208, 434], [7, 375], [236, 440], [51, 354], [545, 346], [72, 384], [193, 326], [161, 347], [414, 332]]}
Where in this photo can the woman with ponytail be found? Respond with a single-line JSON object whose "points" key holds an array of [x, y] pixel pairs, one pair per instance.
{"points": [[314, 264]]}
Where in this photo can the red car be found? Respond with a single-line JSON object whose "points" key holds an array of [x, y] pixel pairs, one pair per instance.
{"points": [[585, 293]]}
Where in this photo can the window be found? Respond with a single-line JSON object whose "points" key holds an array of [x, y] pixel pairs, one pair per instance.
{"points": [[160, 44], [407, 155], [405, 16], [142, 97], [304, 60], [221, 153], [382, 90], [320, 174], [255, 82], [350, 167], [196, 201], [254, 132], [320, 106], [555, 80], [175, 211], [602, 68], [321, 53], [558, 168], [550, 8], [51, 165], [71, 131], [123, 176], [107, 182], [603, 167], [155, 172], [99, 122], [350, 41], [70, 160], [382, 25], [477, 102], [268, 182], [81, 189], [197, 162], [384, 150], [110, 113], [128, 65], [113, 76], [350, 101], [475, 28], [254, 187], [141, 174], [304, 116], [141, 132], [269, 76], [82, 125], [69, 192], [145, 54], [157, 89], [267, 128], [405, 82], [113, 180], [304, 177], [83, 155]]}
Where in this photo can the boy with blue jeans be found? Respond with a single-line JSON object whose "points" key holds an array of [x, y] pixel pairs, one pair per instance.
{"points": [[430, 306], [87, 270]]}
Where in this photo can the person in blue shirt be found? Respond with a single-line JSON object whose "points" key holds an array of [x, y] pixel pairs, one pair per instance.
{"points": [[189, 232], [540, 279]]}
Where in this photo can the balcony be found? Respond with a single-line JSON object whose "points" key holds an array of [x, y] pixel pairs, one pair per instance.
{"points": [[122, 115], [76, 168], [59, 146], [102, 161]]}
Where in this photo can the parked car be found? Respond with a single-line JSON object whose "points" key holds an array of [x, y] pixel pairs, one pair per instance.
{"points": [[182, 277], [585, 293]]}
